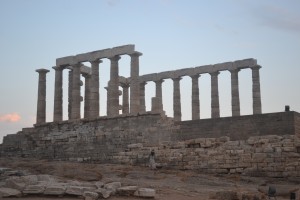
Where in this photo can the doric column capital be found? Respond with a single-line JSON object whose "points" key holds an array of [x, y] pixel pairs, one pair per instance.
{"points": [[85, 75], [160, 81], [195, 76], [115, 58], [177, 78], [256, 67], [214, 73], [143, 83], [124, 85], [234, 70], [58, 68], [42, 70], [135, 54]]}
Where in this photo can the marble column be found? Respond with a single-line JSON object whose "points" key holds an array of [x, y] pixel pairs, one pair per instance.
{"points": [[134, 83], [76, 98], [114, 86], [256, 90], [158, 93], [235, 97], [195, 97], [176, 99], [87, 95], [94, 108], [125, 106], [58, 94], [70, 87], [215, 106], [41, 101], [142, 97]]}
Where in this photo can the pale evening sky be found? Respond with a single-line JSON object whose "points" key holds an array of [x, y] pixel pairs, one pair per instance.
{"points": [[171, 34]]}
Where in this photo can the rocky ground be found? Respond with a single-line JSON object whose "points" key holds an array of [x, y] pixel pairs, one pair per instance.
{"points": [[167, 183]]}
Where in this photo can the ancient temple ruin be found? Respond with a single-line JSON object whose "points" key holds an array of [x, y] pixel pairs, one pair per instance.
{"points": [[136, 84], [267, 144]]}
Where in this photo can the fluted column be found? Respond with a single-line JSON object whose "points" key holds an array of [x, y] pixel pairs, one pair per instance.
{"points": [[87, 96], [134, 83], [256, 90], [158, 93], [195, 97], [215, 106], [58, 94], [114, 86], [235, 97], [107, 101], [176, 99], [125, 106], [94, 108], [76, 98], [70, 87], [41, 101], [142, 97]]}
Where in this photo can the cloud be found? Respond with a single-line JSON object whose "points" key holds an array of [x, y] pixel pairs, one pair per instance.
{"points": [[12, 117]]}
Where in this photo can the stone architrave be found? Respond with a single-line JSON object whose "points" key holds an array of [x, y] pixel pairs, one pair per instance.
{"points": [[215, 107], [134, 83], [76, 98], [87, 96], [176, 99], [94, 108], [113, 88], [125, 107], [158, 94], [195, 97], [256, 90], [41, 101], [58, 94], [142, 97], [70, 93], [235, 97]]}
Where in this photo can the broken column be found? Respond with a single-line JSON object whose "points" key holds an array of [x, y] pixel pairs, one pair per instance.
{"points": [[58, 94], [256, 90], [176, 99], [134, 83], [195, 97], [215, 107], [41, 101], [235, 98]]}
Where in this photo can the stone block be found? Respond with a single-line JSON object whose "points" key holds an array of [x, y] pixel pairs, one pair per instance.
{"points": [[259, 157], [56, 189], [90, 195], [135, 146], [145, 193], [112, 186], [127, 190], [34, 189], [9, 192], [104, 193]]}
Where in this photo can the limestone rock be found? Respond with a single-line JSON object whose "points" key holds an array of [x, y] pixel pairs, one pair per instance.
{"points": [[112, 186], [145, 192], [99, 184], [127, 190], [20, 183], [78, 190], [90, 195], [56, 189], [9, 192], [104, 193], [227, 195], [34, 189]]}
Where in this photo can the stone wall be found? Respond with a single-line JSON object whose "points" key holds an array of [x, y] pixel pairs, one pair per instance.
{"points": [[242, 127], [266, 144], [271, 155]]}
